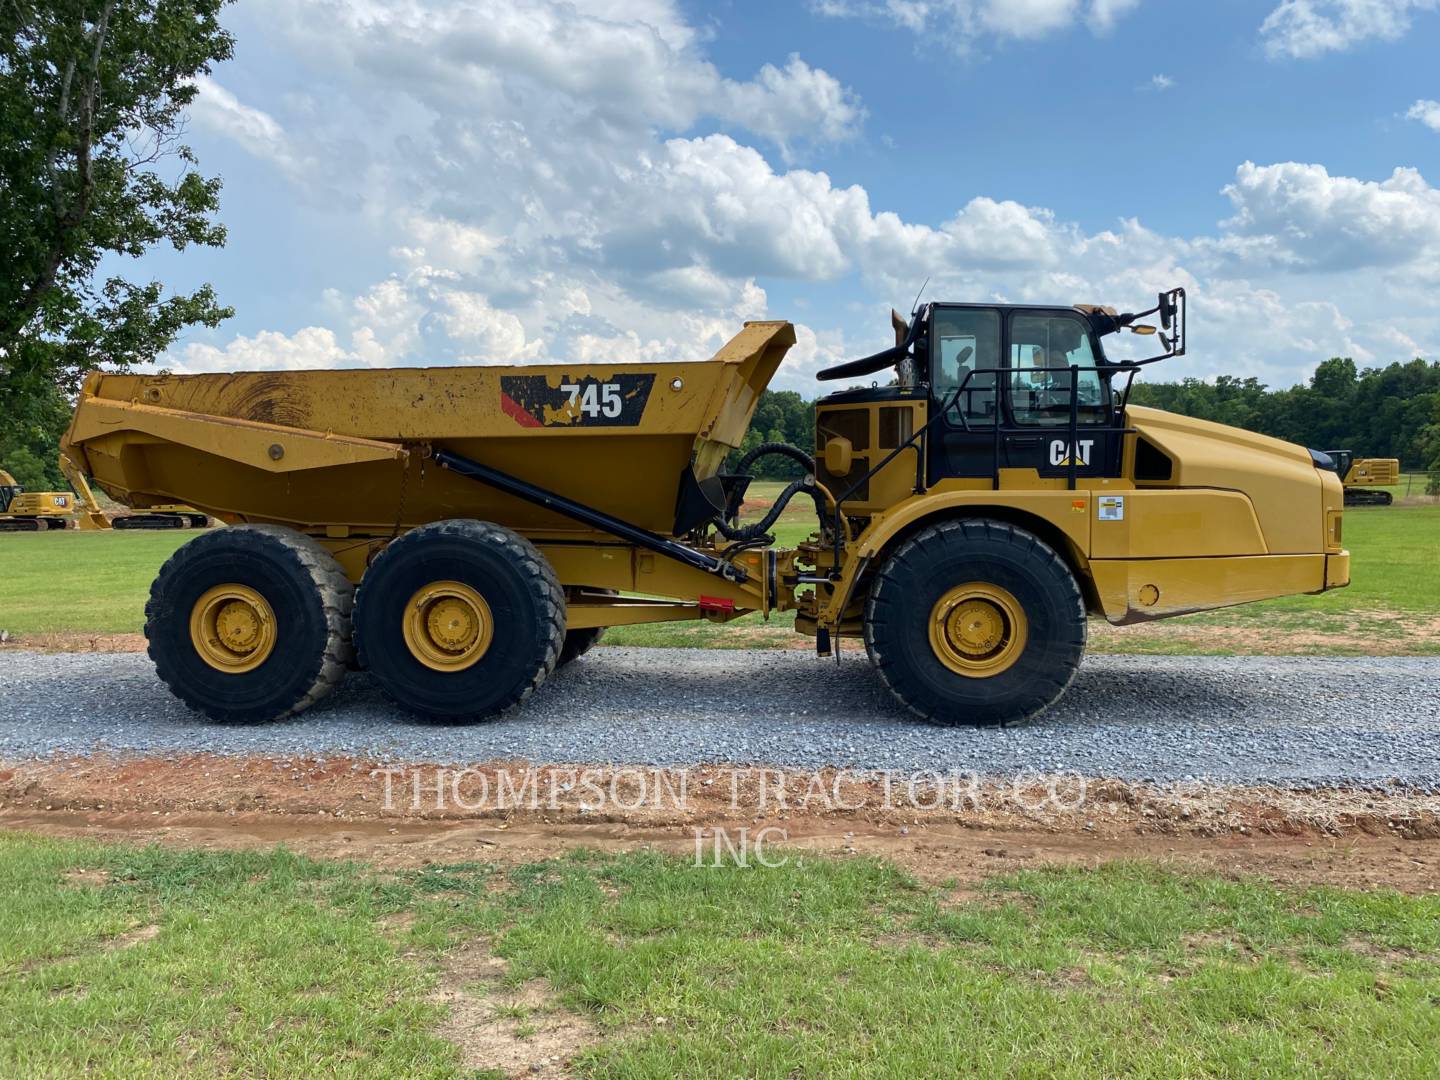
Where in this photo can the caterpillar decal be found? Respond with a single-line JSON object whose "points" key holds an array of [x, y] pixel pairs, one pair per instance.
{"points": [[618, 401]]}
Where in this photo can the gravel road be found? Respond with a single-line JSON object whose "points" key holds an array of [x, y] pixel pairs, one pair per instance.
{"points": [[1297, 721]]}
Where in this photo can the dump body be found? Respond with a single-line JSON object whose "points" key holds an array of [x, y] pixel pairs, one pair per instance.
{"points": [[316, 448]]}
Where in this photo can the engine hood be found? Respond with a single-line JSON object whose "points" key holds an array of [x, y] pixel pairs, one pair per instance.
{"points": [[1279, 477]]}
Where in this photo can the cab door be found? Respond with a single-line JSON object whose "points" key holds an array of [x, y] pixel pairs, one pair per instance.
{"points": [[965, 351], [1052, 365]]}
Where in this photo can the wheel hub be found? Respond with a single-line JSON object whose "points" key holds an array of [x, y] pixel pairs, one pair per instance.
{"points": [[448, 626], [975, 627], [232, 628], [978, 629]]}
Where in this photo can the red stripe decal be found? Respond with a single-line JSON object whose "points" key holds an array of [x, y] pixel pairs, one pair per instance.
{"points": [[516, 412]]}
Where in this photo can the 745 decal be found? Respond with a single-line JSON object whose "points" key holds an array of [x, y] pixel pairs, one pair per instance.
{"points": [[619, 401]]}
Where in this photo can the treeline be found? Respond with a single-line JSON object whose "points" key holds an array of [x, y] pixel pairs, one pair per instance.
{"points": [[30, 430], [782, 416], [1377, 412]]}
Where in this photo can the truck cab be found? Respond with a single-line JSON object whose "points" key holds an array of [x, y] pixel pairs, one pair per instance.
{"points": [[1019, 387], [1015, 412]]}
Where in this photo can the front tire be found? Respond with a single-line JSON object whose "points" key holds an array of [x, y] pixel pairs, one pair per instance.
{"points": [[250, 623], [460, 620], [975, 622]]}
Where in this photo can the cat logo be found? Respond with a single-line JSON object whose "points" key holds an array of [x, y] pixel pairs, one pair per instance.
{"points": [[1080, 455]]}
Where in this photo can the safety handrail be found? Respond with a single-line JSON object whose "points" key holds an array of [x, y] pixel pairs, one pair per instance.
{"points": [[919, 440]]}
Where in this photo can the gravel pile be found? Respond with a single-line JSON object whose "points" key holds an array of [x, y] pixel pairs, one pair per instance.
{"points": [[1293, 721]]}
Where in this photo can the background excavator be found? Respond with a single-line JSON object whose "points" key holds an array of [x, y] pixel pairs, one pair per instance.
{"points": [[32, 511], [36, 511], [1361, 476]]}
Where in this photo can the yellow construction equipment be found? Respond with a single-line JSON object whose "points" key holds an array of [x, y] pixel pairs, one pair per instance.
{"points": [[1360, 476], [32, 511], [36, 511], [163, 516], [469, 528]]}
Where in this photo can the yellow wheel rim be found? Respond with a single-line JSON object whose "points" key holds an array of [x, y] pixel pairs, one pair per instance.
{"points": [[448, 626], [978, 630], [232, 628]]}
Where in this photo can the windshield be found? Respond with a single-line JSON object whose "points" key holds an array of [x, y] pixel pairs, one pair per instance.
{"points": [[1043, 349]]}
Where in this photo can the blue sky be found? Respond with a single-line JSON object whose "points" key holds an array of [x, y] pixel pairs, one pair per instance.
{"points": [[468, 182]]}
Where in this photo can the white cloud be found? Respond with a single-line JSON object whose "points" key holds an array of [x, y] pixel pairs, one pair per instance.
{"points": [[1304, 29], [799, 100], [626, 66], [311, 347], [1427, 112], [426, 317], [255, 130], [485, 335], [1302, 216], [956, 23], [1161, 83], [550, 181]]}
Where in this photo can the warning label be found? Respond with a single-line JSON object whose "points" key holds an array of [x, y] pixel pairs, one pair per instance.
{"points": [[1111, 507]]}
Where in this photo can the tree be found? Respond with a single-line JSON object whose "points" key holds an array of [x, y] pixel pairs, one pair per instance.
{"points": [[780, 416], [92, 113], [29, 437], [1377, 412]]}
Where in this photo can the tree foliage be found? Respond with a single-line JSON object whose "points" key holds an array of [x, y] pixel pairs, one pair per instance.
{"points": [[93, 172], [781, 416]]}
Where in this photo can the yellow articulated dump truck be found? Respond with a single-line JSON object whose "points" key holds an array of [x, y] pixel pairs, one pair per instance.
{"points": [[464, 530]]}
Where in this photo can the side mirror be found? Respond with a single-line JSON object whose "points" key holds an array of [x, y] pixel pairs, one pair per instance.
{"points": [[839, 455]]}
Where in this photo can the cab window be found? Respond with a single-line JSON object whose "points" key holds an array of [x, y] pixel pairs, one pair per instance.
{"points": [[966, 341], [1043, 348]]}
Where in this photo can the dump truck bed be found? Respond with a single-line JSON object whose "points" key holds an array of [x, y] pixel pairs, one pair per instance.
{"points": [[315, 448]]}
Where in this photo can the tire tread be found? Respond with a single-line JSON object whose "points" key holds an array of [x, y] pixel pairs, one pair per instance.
{"points": [[336, 598], [930, 542]]}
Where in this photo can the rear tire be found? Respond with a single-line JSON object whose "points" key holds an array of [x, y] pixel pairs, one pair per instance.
{"points": [[580, 642], [299, 645], [460, 620], [975, 622]]}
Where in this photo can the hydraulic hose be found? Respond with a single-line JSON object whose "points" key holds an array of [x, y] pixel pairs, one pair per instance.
{"points": [[794, 453], [761, 527]]}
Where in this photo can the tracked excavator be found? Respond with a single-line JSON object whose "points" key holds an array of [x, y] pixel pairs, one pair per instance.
{"points": [[32, 511], [1361, 477]]}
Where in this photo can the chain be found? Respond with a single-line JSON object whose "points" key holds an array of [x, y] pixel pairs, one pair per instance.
{"points": [[404, 483]]}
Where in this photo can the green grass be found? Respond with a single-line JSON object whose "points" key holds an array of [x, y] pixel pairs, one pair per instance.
{"points": [[275, 965], [80, 582], [1411, 484], [77, 583]]}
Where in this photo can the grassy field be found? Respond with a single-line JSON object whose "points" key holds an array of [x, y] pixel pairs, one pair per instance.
{"points": [[1412, 485], [80, 582], [74, 583], [153, 962]]}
